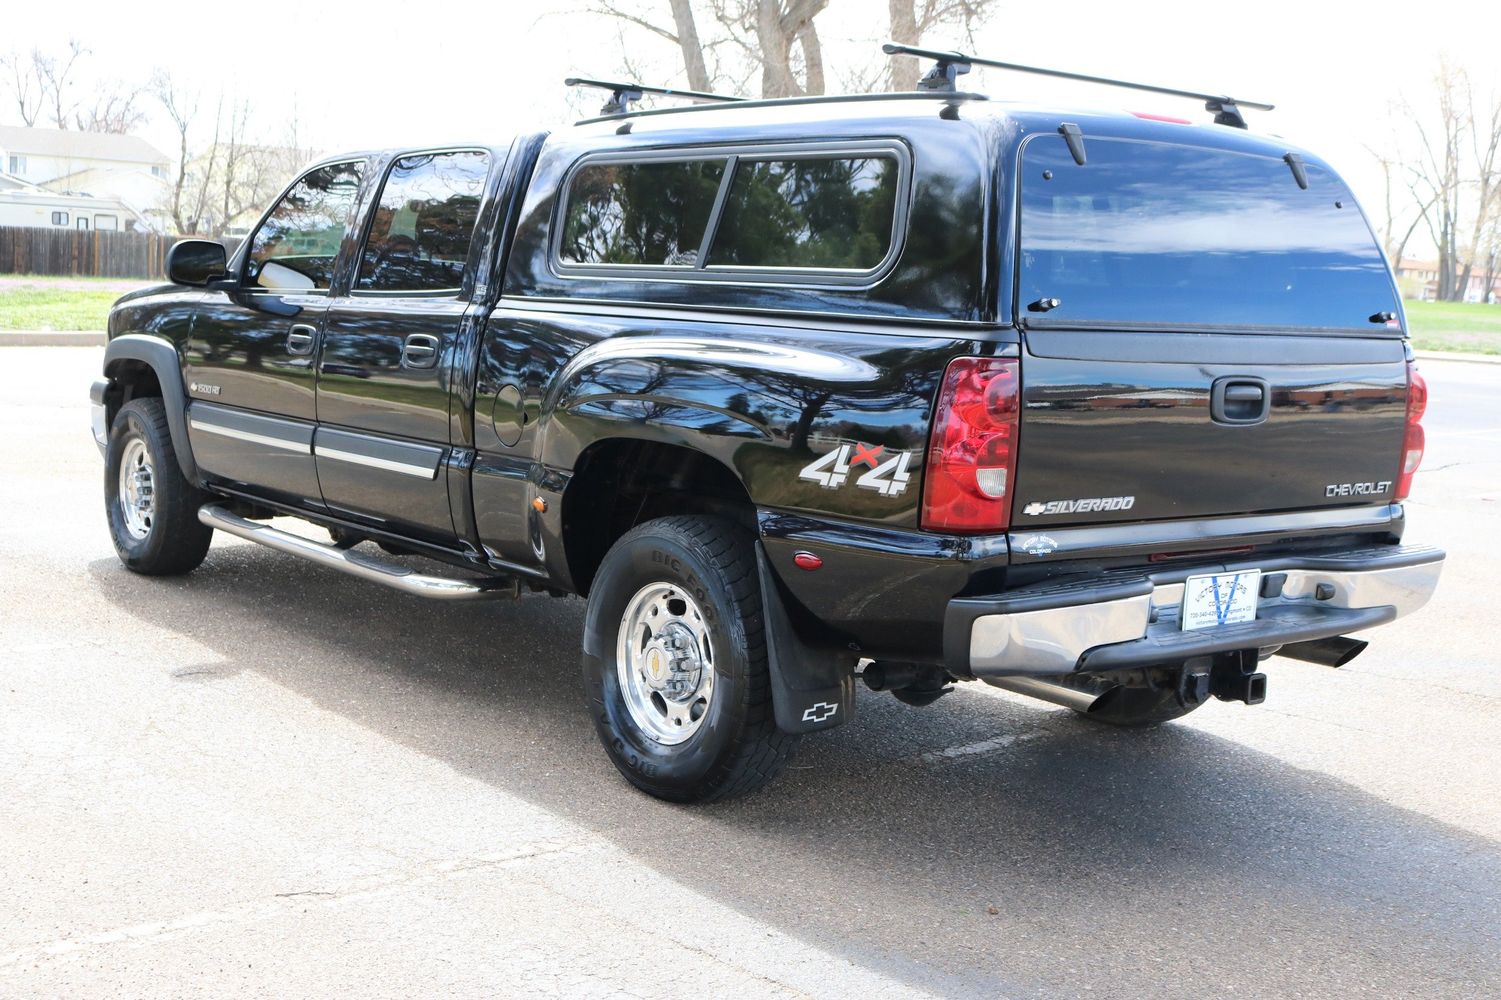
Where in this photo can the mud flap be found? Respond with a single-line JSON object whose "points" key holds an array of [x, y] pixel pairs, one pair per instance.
{"points": [[812, 687]]}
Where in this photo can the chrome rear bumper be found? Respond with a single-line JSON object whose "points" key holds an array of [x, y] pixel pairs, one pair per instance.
{"points": [[1122, 620]]}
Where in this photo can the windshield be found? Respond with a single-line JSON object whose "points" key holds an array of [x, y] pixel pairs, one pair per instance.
{"points": [[1148, 234]]}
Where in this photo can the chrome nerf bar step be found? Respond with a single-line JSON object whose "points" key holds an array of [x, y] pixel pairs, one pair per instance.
{"points": [[360, 564]]}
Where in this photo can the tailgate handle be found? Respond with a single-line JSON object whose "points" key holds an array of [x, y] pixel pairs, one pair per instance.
{"points": [[1239, 400]]}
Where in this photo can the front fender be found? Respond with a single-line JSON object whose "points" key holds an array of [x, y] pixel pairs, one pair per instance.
{"points": [[161, 356]]}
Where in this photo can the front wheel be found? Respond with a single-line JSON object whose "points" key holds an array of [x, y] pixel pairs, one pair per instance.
{"points": [[680, 688], [151, 506]]}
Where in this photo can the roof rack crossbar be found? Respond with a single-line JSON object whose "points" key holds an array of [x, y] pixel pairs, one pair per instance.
{"points": [[623, 95], [951, 64]]}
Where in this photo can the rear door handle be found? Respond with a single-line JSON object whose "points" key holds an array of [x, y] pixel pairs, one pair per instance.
{"points": [[301, 339], [1239, 400], [419, 351]]}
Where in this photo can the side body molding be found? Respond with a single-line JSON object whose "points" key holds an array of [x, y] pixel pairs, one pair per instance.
{"points": [[163, 359]]}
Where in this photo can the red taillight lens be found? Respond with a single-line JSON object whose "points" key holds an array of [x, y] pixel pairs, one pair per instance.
{"points": [[1412, 442], [971, 466]]}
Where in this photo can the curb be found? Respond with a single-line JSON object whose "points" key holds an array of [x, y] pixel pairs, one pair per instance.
{"points": [[1479, 359], [51, 338]]}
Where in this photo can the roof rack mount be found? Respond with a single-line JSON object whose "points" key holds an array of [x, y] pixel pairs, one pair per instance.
{"points": [[954, 64], [623, 95]]}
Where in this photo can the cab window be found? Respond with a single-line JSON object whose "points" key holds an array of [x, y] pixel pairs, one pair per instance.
{"points": [[424, 222], [296, 247]]}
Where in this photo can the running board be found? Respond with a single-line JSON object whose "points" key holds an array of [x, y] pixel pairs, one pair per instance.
{"points": [[366, 567]]}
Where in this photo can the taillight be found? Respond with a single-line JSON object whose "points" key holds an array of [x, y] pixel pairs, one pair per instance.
{"points": [[1412, 442], [971, 467]]}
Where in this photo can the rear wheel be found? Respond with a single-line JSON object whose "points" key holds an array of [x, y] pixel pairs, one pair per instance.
{"points": [[152, 508], [680, 692]]}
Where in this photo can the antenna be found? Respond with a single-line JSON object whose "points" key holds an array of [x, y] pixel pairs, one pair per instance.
{"points": [[953, 64], [623, 95]]}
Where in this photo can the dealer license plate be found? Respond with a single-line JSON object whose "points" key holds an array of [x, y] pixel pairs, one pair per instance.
{"points": [[1220, 599]]}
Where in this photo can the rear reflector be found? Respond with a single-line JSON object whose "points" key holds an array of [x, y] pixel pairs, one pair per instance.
{"points": [[1412, 443], [971, 467]]}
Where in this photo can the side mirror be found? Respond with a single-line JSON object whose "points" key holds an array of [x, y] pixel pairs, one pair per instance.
{"points": [[196, 262]]}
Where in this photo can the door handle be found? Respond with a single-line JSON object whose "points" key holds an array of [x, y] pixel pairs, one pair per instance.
{"points": [[301, 339], [419, 351], [1239, 400]]}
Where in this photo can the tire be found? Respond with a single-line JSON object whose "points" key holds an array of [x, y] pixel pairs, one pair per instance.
{"points": [[158, 533], [1138, 707], [690, 588]]}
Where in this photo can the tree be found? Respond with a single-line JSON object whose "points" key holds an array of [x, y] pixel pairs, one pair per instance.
{"points": [[1485, 142], [115, 110], [25, 89], [911, 20], [55, 74], [190, 190], [1453, 178], [773, 39]]}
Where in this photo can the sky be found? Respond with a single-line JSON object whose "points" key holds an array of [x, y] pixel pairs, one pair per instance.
{"points": [[376, 74]]}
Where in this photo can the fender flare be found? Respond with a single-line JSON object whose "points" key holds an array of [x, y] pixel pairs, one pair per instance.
{"points": [[161, 356]]}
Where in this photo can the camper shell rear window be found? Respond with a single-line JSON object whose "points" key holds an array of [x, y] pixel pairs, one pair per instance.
{"points": [[1160, 236]]}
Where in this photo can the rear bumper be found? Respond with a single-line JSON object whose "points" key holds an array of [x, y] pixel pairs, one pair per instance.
{"points": [[98, 413], [1120, 620]]}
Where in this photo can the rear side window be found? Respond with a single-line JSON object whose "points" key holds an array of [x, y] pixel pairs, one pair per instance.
{"points": [[816, 212], [422, 226], [1162, 236], [795, 211], [296, 247], [650, 214]]}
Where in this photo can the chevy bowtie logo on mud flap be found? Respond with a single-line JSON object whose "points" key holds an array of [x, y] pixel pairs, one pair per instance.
{"points": [[887, 475], [820, 711]]}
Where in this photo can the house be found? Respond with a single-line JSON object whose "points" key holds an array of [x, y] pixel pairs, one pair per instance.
{"points": [[1418, 279], [123, 169]]}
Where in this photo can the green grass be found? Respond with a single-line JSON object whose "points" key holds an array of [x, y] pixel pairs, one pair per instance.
{"points": [[40, 309], [1455, 326], [35, 303]]}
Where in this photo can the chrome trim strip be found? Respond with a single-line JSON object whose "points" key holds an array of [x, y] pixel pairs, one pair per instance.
{"points": [[405, 468], [362, 565], [300, 447]]}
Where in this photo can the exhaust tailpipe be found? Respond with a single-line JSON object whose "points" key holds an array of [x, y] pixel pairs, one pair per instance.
{"points": [[1332, 652], [1068, 691]]}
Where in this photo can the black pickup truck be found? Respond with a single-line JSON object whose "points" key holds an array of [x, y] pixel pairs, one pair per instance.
{"points": [[1102, 408]]}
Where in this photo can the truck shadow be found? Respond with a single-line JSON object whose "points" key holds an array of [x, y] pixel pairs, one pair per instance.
{"points": [[1182, 857]]}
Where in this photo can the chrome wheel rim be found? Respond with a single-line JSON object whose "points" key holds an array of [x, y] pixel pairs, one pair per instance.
{"points": [[137, 490], [665, 662]]}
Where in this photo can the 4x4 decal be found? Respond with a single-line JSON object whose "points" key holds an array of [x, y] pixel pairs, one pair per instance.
{"points": [[886, 475]]}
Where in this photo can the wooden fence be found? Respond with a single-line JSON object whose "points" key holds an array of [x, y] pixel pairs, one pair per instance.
{"points": [[91, 253]]}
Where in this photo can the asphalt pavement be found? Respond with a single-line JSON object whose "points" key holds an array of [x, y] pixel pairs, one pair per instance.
{"points": [[267, 779]]}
